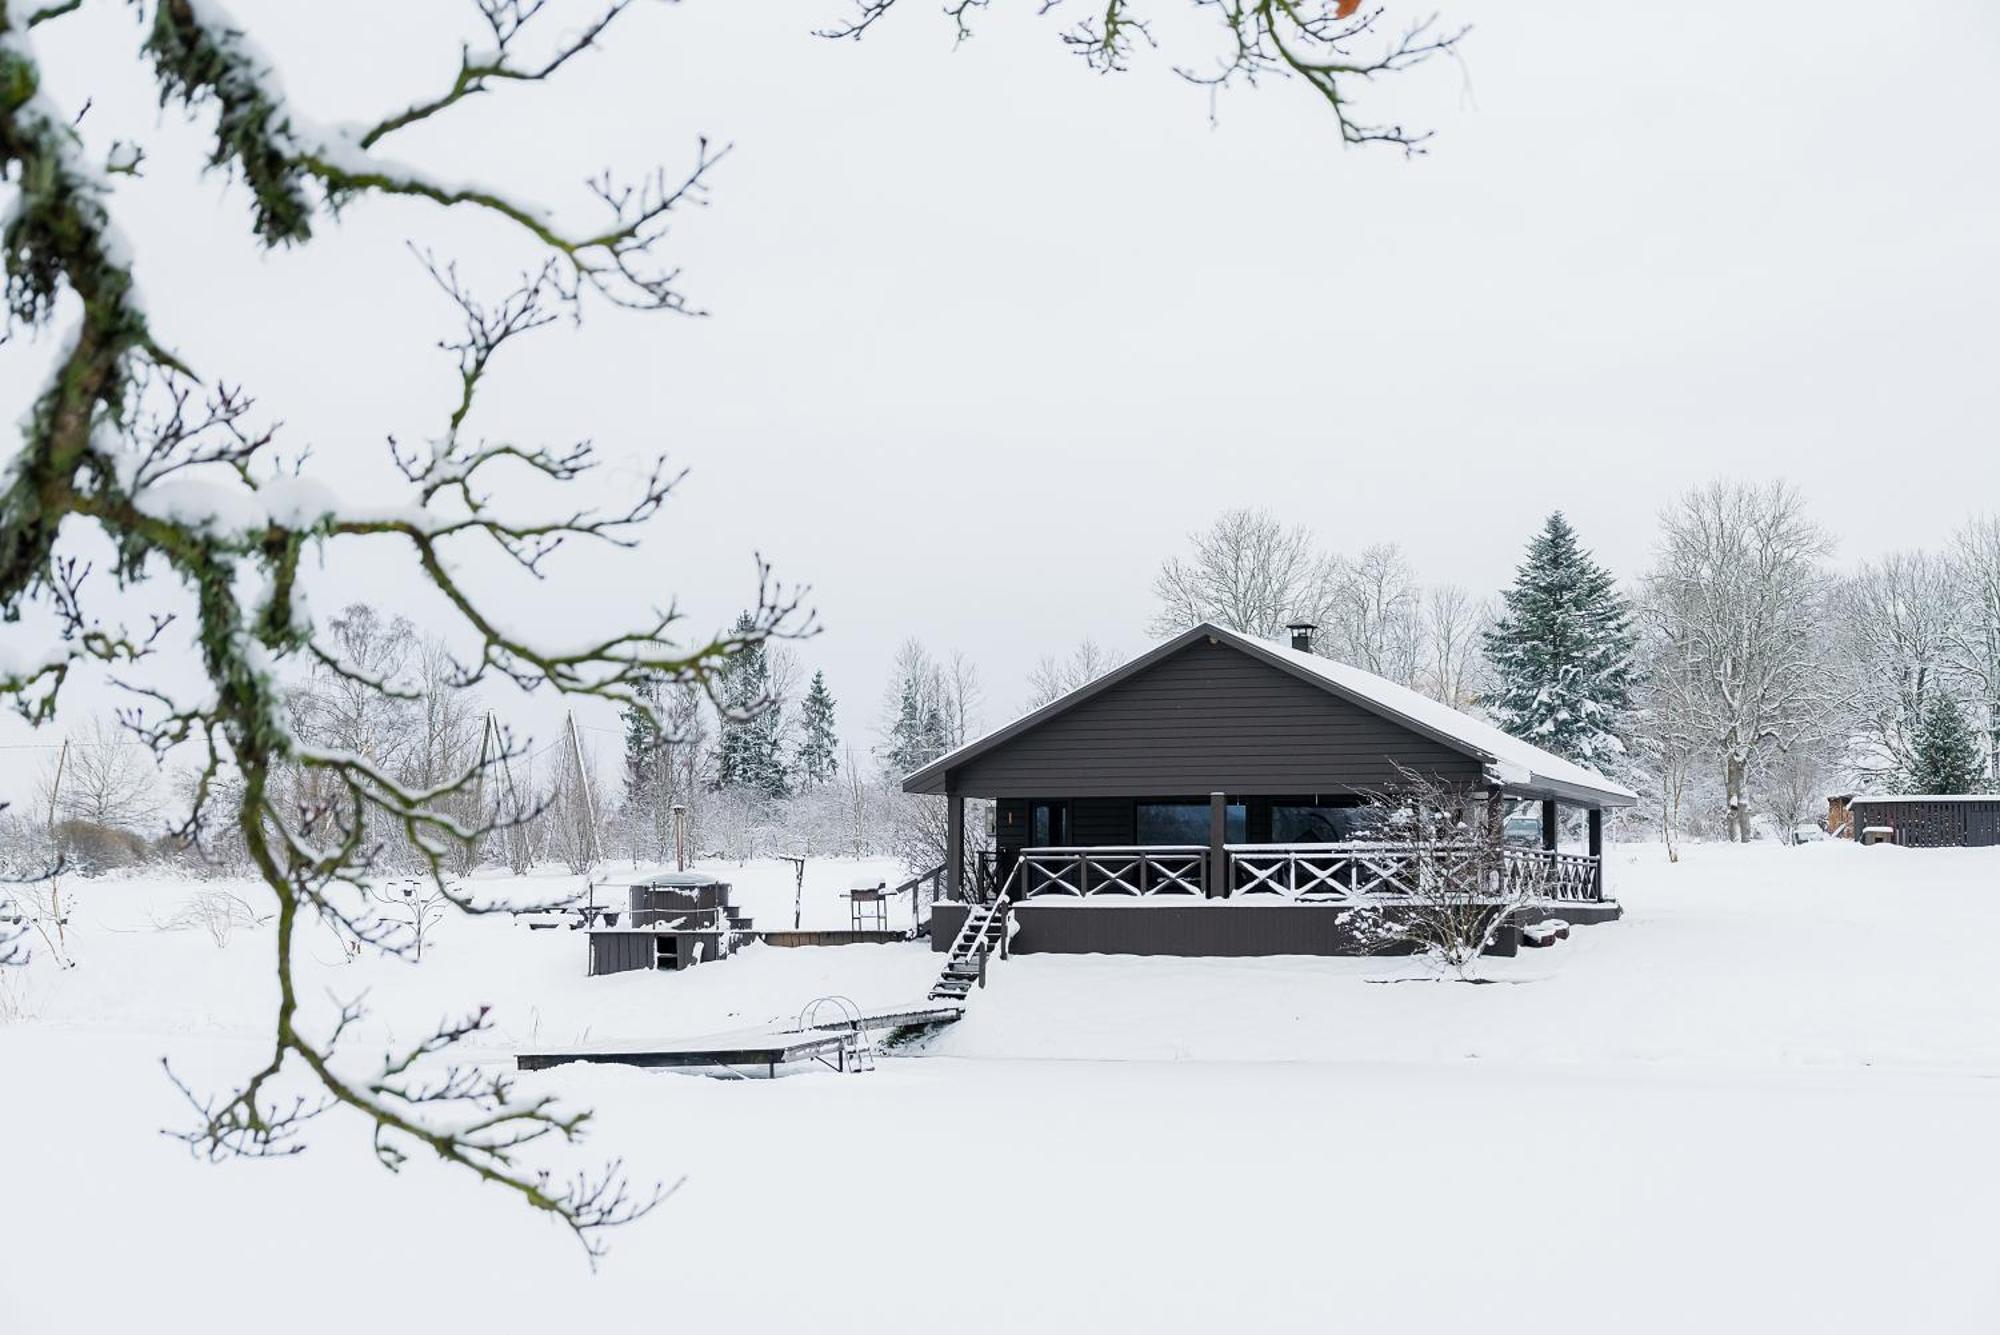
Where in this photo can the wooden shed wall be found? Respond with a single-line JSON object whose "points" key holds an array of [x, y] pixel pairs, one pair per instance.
{"points": [[1209, 718], [1959, 824]]}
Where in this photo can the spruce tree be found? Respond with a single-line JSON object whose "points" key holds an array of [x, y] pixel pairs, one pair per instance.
{"points": [[818, 746], [1947, 759], [748, 734], [1562, 652], [906, 751]]}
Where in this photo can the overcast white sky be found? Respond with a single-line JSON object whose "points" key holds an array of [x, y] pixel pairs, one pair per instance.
{"points": [[991, 334]]}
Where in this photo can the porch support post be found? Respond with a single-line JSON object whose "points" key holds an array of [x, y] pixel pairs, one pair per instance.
{"points": [[954, 844], [1597, 850], [1549, 813], [1218, 835]]}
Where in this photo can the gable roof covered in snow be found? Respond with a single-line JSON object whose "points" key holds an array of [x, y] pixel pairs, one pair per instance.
{"points": [[1201, 686]]}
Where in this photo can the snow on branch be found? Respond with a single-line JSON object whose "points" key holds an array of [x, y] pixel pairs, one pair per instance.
{"points": [[202, 57]]}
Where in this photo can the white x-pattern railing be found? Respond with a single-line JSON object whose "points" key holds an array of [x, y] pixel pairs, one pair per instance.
{"points": [[1538, 873], [1309, 873], [1171, 869], [1351, 871]]}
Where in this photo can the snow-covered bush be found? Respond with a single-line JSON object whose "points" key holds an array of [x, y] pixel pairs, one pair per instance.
{"points": [[1456, 891], [219, 913]]}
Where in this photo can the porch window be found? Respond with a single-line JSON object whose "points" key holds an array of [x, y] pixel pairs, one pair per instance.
{"points": [[1293, 823], [1187, 823]]}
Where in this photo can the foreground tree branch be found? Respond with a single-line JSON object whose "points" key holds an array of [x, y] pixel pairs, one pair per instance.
{"points": [[1331, 45], [188, 488]]}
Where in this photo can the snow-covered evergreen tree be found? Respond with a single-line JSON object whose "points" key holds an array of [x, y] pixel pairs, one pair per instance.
{"points": [[918, 714], [1947, 756], [748, 735], [819, 748], [1561, 653]]}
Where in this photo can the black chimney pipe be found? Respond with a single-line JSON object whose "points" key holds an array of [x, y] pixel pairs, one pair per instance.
{"points": [[1302, 635]]}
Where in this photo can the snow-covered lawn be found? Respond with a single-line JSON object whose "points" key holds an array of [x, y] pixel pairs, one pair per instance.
{"points": [[1763, 1102]]}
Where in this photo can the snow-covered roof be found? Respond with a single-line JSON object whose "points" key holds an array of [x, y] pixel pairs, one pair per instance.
{"points": [[1527, 761], [1511, 762], [1865, 798]]}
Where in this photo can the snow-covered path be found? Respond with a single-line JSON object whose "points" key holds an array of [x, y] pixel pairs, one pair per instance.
{"points": [[1765, 1102]]}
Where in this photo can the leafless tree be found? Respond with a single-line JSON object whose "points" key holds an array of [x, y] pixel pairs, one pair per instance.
{"points": [[1453, 624], [1052, 677], [965, 694], [447, 734], [1973, 645], [1737, 598], [1795, 785], [1374, 619], [1247, 572], [1896, 622], [1663, 730], [105, 778]]}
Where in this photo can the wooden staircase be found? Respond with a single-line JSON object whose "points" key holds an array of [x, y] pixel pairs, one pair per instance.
{"points": [[983, 935]]}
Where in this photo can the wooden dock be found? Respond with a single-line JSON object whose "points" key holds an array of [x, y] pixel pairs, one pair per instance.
{"points": [[758, 1053]]}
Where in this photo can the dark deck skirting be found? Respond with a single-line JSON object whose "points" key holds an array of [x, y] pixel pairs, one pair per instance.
{"points": [[840, 936], [1209, 929]]}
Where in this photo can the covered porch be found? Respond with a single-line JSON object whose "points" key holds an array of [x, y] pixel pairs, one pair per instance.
{"points": [[1227, 866]]}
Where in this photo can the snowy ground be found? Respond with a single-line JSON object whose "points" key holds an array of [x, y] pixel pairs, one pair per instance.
{"points": [[1764, 1101]]}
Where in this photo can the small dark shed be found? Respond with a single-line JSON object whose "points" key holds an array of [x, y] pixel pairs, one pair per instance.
{"points": [[1922, 820], [677, 921]]}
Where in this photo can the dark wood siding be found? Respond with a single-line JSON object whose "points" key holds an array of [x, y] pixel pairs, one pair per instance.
{"points": [[1208, 718], [1958, 824]]}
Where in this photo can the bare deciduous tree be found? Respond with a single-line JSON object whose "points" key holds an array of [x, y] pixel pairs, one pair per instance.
{"points": [[1374, 617], [1974, 641], [1454, 623], [1737, 599], [1247, 572], [1052, 677], [1895, 622], [106, 778]]}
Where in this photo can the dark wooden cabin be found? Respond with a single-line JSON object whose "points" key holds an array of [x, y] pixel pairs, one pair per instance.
{"points": [[1223, 766]]}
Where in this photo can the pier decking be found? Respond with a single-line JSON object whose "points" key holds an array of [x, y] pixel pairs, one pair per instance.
{"points": [[757, 1052]]}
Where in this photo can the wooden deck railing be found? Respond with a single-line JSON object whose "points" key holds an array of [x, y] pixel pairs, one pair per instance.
{"points": [[1167, 869], [1570, 878], [1308, 873]]}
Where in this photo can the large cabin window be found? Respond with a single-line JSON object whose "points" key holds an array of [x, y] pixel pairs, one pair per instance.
{"points": [[1297, 823], [1187, 823], [1048, 824]]}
